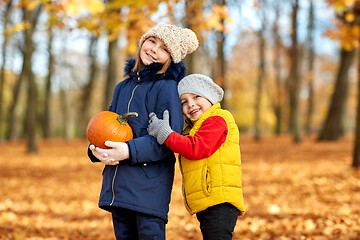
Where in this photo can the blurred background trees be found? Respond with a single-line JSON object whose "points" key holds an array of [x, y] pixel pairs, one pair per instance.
{"points": [[60, 61]]}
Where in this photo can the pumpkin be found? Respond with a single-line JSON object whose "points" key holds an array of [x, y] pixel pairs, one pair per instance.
{"points": [[109, 126]]}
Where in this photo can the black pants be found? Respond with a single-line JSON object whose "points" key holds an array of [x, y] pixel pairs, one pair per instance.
{"points": [[131, 225], [218, 222]]}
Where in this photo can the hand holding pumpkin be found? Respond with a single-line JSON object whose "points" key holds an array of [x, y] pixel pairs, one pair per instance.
{"points": [[118, 151], [103, 157], [107, 132]]}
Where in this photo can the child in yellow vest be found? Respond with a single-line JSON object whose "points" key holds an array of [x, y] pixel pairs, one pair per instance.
{"points": [[210, 159]]}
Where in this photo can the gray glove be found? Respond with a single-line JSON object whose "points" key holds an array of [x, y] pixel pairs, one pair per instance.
{"points": [[159, 129]]}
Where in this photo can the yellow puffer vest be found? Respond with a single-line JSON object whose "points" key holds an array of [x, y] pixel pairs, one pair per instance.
{"points": [[216, 179]]}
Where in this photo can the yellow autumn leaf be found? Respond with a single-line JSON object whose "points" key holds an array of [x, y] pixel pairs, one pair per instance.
{"points": [[112, 36], [96, 6], [356, 31], [346, 45], [17, 28], [350, 17], [132, 47], [216, 20], [31, 4], [75, 7], [349, 3], [71, 8], [339, 7]]}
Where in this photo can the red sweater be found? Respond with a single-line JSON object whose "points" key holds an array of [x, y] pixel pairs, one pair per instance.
{"points": [[205, 142]]}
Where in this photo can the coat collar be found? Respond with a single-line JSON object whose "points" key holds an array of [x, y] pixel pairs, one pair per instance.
{"points": [[176, 72]]}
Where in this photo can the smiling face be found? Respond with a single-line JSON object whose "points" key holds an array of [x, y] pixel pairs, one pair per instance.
{"points": [[154, 50], [194, 105]]}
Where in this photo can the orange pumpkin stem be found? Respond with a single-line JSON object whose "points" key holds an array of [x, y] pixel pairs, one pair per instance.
{"points": [[123, 118]]}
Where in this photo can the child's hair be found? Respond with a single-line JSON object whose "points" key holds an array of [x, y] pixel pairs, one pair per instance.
{"points": [[178, 41]]}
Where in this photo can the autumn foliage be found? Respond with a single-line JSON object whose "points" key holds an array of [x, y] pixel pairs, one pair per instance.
{"points": [[292, 191], [348, 25]]}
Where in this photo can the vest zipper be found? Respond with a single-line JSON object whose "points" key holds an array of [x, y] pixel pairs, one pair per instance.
{"points": [[182, 174], [117, 166]]}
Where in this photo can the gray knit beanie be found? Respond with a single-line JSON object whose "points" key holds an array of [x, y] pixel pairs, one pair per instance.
{"points": [[201, 85], [179, 41]]}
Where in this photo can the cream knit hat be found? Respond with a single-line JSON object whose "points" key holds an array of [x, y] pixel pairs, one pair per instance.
{"points": [[201, 85], [179, 41]]}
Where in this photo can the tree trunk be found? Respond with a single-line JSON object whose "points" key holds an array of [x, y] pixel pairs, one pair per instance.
{"points": [[190, 63], [294, 80], [219, 71], [15, 100], [220, 61], [356, 160], [112, 72], [193, 10], [88, 89], [278, 95], [2, 73], [48, 98], [332, 126], [65, 114], [112, 67], [31, 111], [311, 75], [259, 85]]}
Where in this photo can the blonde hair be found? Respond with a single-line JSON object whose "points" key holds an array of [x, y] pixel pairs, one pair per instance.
{"points": [[139, 64]]}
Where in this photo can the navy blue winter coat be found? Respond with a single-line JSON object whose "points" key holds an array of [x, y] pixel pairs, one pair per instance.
{"points": [[143, 182]]}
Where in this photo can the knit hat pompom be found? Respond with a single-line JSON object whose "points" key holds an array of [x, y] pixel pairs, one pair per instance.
{"points": [[201, 85], [192, 40], [178, 41]]}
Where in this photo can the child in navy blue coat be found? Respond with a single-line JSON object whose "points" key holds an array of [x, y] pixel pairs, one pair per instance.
{"points": [[138, 175]]}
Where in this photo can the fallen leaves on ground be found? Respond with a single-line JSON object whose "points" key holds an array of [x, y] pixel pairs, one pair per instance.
{"points": [[306, 191]]}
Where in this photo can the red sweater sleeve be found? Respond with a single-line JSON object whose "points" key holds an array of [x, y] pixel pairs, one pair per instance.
{"points": [[205, 142]]}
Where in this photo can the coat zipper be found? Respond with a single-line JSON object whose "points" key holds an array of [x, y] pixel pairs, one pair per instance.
{"points": [[113, 190], [132, 95], [117, 166]]}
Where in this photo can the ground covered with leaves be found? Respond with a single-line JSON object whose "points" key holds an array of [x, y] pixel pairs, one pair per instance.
{"points": [[292, 191]]}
